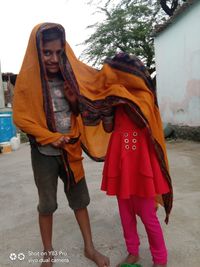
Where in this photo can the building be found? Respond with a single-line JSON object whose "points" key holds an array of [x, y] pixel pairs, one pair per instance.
{"points": [[177, 51], [7, 82], [2, 100]]}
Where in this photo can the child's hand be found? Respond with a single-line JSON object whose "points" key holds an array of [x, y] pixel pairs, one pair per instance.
{"points": [[61, 142], [107, 117], [107, 112]]}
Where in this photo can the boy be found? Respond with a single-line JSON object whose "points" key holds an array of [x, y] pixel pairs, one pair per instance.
{"points": [[45, 106]]}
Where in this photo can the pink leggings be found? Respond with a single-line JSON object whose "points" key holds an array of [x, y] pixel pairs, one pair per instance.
{"points": [[145, 209]]}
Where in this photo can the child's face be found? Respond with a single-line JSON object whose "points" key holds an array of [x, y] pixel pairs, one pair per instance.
{"points": [[51, 54]]}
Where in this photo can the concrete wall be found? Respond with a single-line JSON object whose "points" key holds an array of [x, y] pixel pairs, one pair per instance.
{"points": [[177, 51], [2, 100]]}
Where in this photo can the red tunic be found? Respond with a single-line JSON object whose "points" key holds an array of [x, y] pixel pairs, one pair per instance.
{"points": [[131, 166]]}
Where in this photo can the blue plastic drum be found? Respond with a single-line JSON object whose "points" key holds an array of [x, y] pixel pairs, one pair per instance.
{"points": [[7, 128]]}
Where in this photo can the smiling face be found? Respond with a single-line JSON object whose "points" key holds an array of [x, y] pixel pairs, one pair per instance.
{"points": [[51, 53]]}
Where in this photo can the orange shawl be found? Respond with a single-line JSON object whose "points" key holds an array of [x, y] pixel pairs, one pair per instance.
{"points": [[122, 80], [29, 108]]}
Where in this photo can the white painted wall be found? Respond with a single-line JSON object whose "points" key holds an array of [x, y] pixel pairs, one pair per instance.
{"points": [[177, 51]]}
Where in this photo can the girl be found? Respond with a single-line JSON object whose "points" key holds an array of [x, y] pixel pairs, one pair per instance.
{"points": [[132, 173], [136, 166]]}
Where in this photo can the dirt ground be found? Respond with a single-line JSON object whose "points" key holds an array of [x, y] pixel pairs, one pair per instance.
{"points": [[19, 232]]}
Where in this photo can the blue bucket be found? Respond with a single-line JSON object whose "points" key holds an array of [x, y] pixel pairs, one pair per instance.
{"points": [[7, 128]]}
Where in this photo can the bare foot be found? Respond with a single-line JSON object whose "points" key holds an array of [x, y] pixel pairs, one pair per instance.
{"points": [[47, 260], [129, 259], [97, 257]]}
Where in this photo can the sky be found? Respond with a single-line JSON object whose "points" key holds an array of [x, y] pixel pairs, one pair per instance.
{"points": [[18, 17]]}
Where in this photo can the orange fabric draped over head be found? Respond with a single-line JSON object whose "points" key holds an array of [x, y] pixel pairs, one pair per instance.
{"points": [[29, 105], [122, 80]]}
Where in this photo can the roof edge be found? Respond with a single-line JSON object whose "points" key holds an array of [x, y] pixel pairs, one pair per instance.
{"points": [[161, 27]]}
